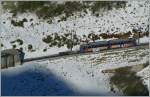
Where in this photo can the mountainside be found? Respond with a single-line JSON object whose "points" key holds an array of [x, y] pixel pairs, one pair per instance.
{"points": [[43, 28], [81, 75], [48, 36]]}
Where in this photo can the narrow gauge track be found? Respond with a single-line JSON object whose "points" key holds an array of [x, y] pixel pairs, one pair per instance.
{"points": [[56, 56]]}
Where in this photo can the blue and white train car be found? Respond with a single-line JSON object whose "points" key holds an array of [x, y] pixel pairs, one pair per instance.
{"points": [[101, 45]]}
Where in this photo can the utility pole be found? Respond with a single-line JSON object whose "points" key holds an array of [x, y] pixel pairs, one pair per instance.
{"points": [[72, 34], [71, 40], [138, 37], [139, 32]]}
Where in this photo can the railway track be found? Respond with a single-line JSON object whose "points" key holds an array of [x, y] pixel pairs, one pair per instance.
{"points": [[55, 56]]}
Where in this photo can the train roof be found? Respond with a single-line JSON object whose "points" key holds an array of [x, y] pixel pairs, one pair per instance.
{"points": [[115, 41], [121, 40], [96, 43]]}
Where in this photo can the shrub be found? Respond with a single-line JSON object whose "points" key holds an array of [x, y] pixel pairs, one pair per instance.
{"points": [[147, 33], [19, 23], [49, 9], [54, 43], [104, 35], [44, 50], [57, 37], [63, 18], [30, 47], [20, 41], [12, 41], [2, 45], [69, 44], [59, 45], [25, 20], [48, 39], [14, 46]]}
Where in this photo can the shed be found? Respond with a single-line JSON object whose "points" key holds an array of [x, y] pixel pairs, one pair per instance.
{"points": [[10, 58]]}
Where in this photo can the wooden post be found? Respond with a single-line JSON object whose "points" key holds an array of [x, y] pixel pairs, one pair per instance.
{"points": [[71, 40], [6, 61], [139, 38], [13, 61]]}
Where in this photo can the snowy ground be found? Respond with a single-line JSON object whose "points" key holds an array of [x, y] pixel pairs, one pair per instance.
{"points": [[120, 21], [76, 75], [145, 75]]}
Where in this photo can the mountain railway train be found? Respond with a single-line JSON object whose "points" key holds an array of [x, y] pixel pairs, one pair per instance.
{"points": [[111, 44]]}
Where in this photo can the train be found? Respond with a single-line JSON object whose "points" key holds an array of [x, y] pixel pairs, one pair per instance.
{"points": [[111, 44]]}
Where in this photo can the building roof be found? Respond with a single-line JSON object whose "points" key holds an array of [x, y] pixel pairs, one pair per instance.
{"points": [[9, 52]]}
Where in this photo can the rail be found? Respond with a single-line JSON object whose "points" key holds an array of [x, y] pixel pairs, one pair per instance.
{"points": [[74, 53]]}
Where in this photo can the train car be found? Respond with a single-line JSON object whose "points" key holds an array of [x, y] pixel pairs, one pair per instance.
{"points": [[89, 47], [111, 44], [122, 43], [67, 53]]}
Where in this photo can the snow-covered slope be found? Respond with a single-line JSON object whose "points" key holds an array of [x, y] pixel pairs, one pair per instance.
{"points": [[121, 20], [145, 75], [75, 75]]}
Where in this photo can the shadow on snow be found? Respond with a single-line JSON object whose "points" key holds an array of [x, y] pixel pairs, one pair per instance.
{"points": [[37, 83]]}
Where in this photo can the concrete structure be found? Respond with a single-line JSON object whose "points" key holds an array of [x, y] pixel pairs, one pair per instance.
{"points": [[10, 58]]}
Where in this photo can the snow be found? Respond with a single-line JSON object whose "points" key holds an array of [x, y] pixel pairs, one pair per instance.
{"points": [[32, 32], [54, 50], [74, 75], [32, 79], [38, 79], [145, 75], [144, 40]]}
